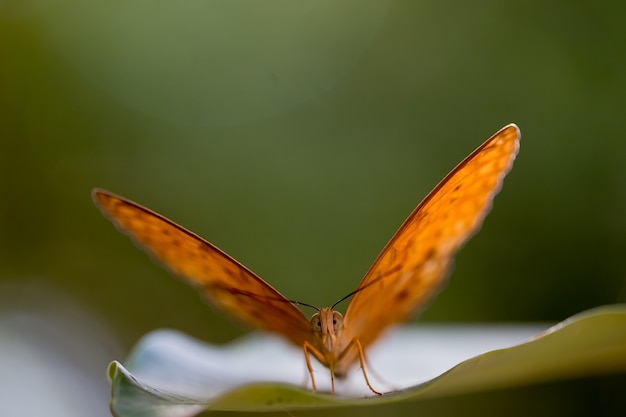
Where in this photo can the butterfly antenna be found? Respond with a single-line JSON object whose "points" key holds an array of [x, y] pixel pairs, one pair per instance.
{"points": [[346, 297], [299, 303], [282, 300], [361, 288]]}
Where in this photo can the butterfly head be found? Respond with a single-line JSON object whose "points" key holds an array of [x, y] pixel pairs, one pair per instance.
{"points": [[326, 324]]}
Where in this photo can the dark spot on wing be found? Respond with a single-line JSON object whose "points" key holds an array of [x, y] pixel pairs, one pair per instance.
{"points": [[402, 295]]}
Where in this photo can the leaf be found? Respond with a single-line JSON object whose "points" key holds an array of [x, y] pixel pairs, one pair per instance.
{"points": [[174, 375]]}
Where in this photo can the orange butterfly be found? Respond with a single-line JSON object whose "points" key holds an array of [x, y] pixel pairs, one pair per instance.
{"points": [[409, 270]]}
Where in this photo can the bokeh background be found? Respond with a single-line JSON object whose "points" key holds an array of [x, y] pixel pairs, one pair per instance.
{"points": [[297, 136]]}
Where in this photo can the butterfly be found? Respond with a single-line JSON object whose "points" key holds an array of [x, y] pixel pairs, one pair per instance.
{"points": [[406, 274]]}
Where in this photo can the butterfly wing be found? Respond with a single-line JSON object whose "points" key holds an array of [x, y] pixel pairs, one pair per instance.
{"points": [[416, 261], [228, 285]]}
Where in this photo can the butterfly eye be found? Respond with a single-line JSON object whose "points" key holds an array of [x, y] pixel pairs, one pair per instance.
{"points": [[316, 323], [337, 321]]}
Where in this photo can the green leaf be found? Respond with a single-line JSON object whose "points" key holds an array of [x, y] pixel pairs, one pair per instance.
{"points": [[590, 343]]}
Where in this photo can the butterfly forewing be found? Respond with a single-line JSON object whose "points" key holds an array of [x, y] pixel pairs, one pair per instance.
{"points": [[416, 261], [230, 286]]}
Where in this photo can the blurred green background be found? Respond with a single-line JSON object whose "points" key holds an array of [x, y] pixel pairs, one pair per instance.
{"points": [[297, 136]]}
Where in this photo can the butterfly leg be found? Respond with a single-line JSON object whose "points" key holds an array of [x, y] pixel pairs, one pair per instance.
{"points": [[309, 347], [357, 344]]}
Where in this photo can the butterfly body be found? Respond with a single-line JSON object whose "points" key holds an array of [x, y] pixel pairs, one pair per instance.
{"points": [[411, 268]]}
